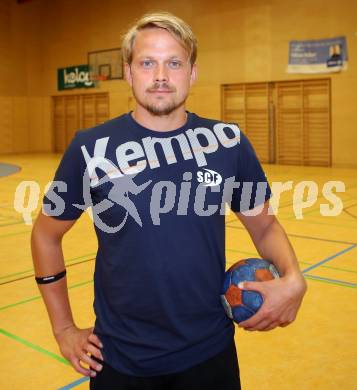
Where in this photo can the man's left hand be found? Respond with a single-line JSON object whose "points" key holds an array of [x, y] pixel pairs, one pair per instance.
{"points": [[282, 299]]}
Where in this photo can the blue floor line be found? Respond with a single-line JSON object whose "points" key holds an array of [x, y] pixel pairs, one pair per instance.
{"points": [[75, 383], [329, 258]]}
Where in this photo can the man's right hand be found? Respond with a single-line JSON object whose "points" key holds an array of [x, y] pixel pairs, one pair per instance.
{"points": [[75, 344]]}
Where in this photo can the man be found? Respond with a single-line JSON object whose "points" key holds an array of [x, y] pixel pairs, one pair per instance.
{"points": [[157, 180]]}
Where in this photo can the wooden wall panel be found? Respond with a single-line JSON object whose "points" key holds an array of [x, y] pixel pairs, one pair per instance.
{"points": [[5, 47], [287, 122], [233, 104], [101, 108], [58, 121], [257, 97], [249, 106], [21, 137], [317, 122], [6, 116], [303, 134], [71, 116], [88, 111], [73, 112]]}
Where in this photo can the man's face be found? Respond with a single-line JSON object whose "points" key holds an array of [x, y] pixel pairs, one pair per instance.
{"points": [[160, 73]]}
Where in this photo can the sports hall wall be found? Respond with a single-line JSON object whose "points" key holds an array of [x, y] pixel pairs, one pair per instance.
{"points": [[239, 41]]}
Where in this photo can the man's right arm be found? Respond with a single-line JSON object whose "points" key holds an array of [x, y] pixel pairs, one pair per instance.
{"points": [[47, 255]]}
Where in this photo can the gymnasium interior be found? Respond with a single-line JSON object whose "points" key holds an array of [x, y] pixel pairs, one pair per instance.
{"points": [[299, 116]]}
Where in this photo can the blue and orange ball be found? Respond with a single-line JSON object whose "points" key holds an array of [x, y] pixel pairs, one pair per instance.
{"points": [[243, 304]]}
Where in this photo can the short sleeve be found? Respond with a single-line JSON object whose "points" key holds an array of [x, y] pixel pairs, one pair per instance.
{"points": [[66, 189], [254, 188]]}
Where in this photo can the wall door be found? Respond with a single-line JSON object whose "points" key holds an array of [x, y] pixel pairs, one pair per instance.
{"points": [[287, 122], [74, 112], [249, 105], [303, 125]]}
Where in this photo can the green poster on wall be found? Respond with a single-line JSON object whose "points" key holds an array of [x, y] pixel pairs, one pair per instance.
{"points": [[74, 77]]}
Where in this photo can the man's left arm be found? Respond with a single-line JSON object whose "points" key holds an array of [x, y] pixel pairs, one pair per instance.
{"points": [[283, 296]]}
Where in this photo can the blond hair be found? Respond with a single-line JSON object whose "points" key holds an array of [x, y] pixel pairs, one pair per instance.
{"points": [[171, 23]]}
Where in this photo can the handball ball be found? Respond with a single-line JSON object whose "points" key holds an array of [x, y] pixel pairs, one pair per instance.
{"points": [[243, 304]]}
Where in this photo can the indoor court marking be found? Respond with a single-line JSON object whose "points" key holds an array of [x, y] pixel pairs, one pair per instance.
{"points": [[318, 351]]}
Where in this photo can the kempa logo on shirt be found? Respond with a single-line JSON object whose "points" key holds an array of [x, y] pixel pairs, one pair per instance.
{"points": [[208, 177], [134, 157]]}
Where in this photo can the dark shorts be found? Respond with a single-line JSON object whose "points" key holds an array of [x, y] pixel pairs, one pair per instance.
{"points": [[217, 373]]}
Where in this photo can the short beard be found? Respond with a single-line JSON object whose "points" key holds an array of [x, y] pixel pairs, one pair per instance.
{"points": [[160, 111]]}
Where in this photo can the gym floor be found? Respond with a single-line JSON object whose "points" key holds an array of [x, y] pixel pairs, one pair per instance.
{"points": [[318, 351]]}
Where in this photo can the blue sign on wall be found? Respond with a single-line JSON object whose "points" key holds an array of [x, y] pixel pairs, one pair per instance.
{"points": [[318, 56]]}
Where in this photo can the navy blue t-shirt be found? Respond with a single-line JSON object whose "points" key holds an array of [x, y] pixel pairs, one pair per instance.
{"points": [[158, 201]]}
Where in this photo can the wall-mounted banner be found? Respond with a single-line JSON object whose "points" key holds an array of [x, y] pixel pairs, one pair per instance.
{"points": [[318, 56], [74, 77]]}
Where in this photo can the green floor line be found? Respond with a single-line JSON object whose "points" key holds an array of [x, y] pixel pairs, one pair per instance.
{"points": [[300, 262], [304, 213], [13, 223], [320, 223], [11, 215], [328, 282], [9, 218], [317, 208], [39, 296], [35, 347], [314, 222], [69, 261], [20, 302], [80, 257], [238, 227], [14, 234], [16, 273], [336, 268], [341, 284], [244, 252]]}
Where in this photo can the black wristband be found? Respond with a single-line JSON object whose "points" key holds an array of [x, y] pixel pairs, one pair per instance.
{"points": [[50, 279]]}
